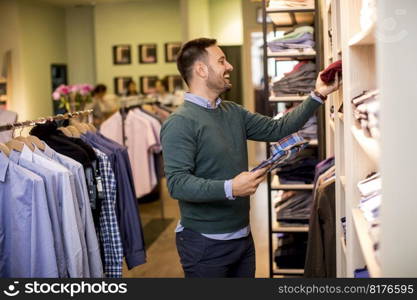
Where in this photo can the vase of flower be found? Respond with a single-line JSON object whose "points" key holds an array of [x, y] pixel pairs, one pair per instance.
{"points": [[73, 97]]}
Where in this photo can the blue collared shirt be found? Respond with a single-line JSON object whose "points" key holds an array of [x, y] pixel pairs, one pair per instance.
{"points": [[27, 239], [23, 160], [227, 183], [73, 235], [92, 249]]}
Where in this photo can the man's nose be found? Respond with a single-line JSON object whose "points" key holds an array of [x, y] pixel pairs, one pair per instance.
{"points": [[229, 67]]}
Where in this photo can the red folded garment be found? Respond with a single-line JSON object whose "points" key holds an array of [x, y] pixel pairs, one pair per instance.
{"points": [[329, 74], [296, 67]]}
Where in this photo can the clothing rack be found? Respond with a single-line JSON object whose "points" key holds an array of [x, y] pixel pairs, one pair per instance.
{"points": [[127, 103], [131, 102], [43, 120]]}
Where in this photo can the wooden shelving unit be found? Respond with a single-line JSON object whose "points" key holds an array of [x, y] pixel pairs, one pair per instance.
{"points": [[368, 64], [275, 185], [290, 55]]}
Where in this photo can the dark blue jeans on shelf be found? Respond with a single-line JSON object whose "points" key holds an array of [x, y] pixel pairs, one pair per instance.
{"points": [[204, 257]]}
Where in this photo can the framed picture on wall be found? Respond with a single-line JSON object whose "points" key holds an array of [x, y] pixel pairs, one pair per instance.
{"points": [[148, 54], [120, 84], [174, 82], [122, 55], [171, 51], [147, 84]]}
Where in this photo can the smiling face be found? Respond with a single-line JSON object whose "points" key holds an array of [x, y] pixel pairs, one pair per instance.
{"points": [[219, 69]]}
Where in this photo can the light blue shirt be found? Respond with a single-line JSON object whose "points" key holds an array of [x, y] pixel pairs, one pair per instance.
{"points": [[26, 230], [227, 183], [92, 251], [74, 241], [47, 176]]}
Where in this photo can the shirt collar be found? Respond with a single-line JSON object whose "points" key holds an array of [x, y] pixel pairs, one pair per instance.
{"points": [[14, 156], [203, 102], [26, 154], [4, 164], [48, 151]]}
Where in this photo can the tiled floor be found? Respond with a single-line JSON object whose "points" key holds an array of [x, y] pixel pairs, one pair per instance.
{"points": [[162, 256]]}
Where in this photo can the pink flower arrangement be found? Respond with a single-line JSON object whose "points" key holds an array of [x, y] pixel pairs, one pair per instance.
{"points": [[73, 97]]}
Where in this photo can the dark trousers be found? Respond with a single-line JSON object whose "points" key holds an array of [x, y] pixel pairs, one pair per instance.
{"points": [[204, 257]]}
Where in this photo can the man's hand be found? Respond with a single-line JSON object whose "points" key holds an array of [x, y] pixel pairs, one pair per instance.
{"points": [[325, 89], [246, 183]]}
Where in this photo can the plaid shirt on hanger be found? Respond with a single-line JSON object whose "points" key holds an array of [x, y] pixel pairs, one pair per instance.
{"points": [[109, 234]]}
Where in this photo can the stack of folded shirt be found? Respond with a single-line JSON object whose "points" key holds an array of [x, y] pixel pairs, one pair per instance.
{"points": [[301, 38], [370, 190], [291, 251], [294, 208], [288, 4], [300, 170], [309, 130], [366, 112], [301, 80], [283, 151]]}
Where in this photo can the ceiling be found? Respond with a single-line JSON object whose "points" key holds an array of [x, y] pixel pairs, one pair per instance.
{"points": [[69, 3]]}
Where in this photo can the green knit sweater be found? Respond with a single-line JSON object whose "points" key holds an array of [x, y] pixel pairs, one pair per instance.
{"points": [[204, 147]]}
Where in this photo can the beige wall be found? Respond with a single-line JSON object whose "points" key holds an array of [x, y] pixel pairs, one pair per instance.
{"points": [[80, 44], [226, 22], [35, 33], [133, 24], [11, 42], [43, 43], [195, 19]]}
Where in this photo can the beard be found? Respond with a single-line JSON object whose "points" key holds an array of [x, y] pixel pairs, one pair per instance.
{"points": [[217, 82]]}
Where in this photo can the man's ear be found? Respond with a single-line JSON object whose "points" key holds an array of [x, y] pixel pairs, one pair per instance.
{"points": [[201, 69]]}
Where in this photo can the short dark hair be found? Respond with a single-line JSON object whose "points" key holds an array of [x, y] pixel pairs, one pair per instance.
{"points": [[190, 52], [99, 88]]}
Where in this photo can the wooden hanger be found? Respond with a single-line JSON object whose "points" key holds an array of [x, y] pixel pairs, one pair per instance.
{"points": [[4, 149], [92, 127], [26, 142], [15, 145], [36, 141], [65, 131], [80, 127], [74, 131]]}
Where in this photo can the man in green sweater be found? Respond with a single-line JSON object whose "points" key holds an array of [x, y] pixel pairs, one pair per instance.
{"points": [[206, 164]]}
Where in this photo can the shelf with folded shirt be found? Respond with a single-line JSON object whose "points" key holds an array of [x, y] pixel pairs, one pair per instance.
{"points": [[276, 185], [288, 7], [280, 270], [362, 227], [277, 226], [300, 54], [364, 38]]}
